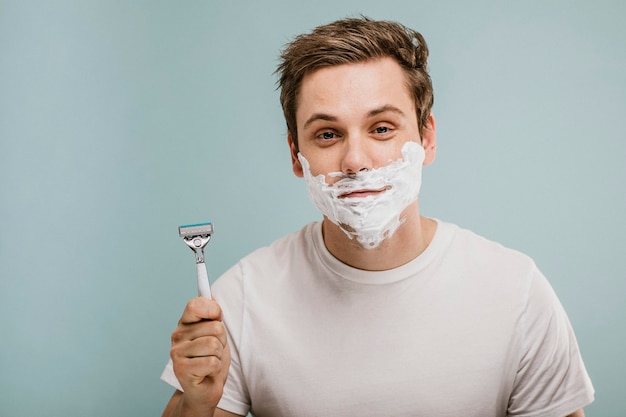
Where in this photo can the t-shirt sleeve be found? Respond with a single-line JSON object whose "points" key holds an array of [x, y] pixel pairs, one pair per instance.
{"points": [[169, 376], [551, 379]]}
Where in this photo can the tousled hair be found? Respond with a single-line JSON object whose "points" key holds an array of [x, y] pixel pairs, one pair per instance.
{"points": [[354, 40]]}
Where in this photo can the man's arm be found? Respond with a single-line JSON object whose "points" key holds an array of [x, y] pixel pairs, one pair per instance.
{"points": [[579, 413], [200, 359], [174, 408]]}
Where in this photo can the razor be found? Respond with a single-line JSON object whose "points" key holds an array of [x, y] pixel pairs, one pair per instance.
{"points": [[196, 236]]}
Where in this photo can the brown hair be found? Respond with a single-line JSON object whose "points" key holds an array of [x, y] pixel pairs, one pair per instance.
{"points": [[354, 40]]}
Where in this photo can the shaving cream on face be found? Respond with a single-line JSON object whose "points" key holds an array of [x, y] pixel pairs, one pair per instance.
{"points": [[372, 218]]}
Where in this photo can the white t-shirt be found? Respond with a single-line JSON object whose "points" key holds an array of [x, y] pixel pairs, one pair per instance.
{"points": [[468, 328]]}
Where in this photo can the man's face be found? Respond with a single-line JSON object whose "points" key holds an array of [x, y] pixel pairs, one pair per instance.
{"points": [[356, 117]]}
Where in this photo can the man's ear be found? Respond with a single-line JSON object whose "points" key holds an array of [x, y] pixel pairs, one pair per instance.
{"points": [[429, 140], [295, 162]]}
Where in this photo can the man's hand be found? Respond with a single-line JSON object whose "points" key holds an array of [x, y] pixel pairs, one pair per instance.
{"points": [[201, 356]]}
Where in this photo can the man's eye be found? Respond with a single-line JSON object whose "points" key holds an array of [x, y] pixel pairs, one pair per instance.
{"points": [[382, 129], [327, 136]]}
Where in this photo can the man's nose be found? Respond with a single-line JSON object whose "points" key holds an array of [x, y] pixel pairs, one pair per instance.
{"points": [[356, 157]]}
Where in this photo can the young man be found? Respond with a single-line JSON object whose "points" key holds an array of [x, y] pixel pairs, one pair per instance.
{"points": [[375, 310]]}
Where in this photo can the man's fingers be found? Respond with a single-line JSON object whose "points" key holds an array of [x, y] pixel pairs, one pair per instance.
{"points": [[203, 357], [206, 366], [201, 308], [200, 347], [191, 332], [197, 369]]}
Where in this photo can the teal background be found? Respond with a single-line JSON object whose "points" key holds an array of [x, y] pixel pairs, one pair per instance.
{"points": [[120, 120]]}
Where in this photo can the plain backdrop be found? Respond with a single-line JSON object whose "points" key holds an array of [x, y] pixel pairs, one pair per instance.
{"points": [[121, 120]]}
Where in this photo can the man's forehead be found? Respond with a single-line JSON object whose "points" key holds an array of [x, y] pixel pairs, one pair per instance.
{"points": [[371, 87]]}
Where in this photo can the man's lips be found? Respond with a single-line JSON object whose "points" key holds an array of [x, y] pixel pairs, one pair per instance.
{"points": [[364, 193]]}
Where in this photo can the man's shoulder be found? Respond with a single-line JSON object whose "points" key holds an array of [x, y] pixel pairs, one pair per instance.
{"points": [[480, 249], [285, 246], [282, 254]]}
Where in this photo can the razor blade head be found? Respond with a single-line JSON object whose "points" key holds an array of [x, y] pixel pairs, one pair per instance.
{"points": [[200, 229]]}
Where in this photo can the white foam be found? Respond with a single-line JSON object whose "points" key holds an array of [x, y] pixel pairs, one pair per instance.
{"points": [[373, 218]]}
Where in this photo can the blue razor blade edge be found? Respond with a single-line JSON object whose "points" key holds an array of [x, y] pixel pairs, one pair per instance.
{"points": [[196, 225]]}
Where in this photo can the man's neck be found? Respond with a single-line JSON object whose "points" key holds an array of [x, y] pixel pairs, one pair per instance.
{"points": [[409, 240]]}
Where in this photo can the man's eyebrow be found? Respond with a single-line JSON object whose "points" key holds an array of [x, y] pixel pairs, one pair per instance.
{"points": [[384, 109], [319, 116], [371, 113]]}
